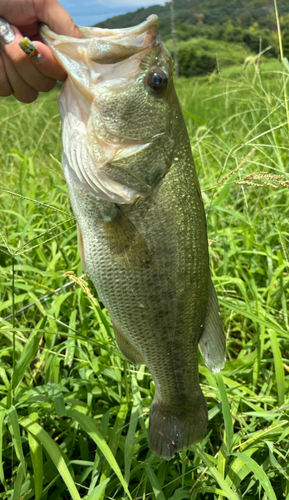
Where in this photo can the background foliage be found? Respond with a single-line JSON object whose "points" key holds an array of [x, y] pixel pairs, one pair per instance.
{"points": [[236, 28], [73, 411]]}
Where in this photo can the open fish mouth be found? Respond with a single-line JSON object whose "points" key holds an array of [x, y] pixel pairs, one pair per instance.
{"points": [[109, 117], [106, 46], [110, 57]]}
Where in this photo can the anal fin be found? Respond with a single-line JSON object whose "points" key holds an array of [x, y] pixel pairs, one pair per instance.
{"points": [[127, 349], [213, 339]]}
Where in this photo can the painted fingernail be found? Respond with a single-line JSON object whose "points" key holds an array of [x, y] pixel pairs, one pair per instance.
{"points": [[30, 49], [6, 32]]}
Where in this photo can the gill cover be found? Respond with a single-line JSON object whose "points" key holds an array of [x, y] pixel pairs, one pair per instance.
{"points": [[100, 58]]}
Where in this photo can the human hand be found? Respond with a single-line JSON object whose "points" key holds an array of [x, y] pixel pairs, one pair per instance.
{"points": [[22, 75]]}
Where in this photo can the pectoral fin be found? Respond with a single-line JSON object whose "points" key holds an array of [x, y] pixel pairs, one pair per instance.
{"points": [[81, 247], [213, 339], [127, 349], [126, 243]]}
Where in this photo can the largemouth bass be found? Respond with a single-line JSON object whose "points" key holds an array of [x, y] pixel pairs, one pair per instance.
{"points": [[141, 223]]}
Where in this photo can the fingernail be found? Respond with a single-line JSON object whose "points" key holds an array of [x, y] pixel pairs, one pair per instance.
{"points": [[30, 49], [6, 32]]}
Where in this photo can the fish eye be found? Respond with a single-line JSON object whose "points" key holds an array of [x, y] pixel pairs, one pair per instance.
{"points": [[157, 80]]}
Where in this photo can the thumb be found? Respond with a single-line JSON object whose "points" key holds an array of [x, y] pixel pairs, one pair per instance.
{"points": [[57, 18]]}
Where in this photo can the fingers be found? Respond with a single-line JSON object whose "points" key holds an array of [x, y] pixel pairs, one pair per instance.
{"points": [[28, 67], [42, 57], [5, 87], [20, 89], [24, 74], [58, 20]]}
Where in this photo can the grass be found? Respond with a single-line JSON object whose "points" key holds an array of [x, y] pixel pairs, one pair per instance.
{"points": [[226, 53], [73, 411]]}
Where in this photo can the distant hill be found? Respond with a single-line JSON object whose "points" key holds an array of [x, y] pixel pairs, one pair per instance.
{"points": [[204, 14], [215, 32]]}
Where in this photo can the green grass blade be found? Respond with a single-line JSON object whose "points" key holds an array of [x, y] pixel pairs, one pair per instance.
{"points": [[36, 458], [155, 483], [15, 432], [264, 433], [279, 370], [37, 464], [99, 490], [88, 425], [238, 470], [18, 483], [130, 438], [2, 476], [258, 319], [115, 436], [53, 451], [28, 354], [275, 463], [226, 490], [259, 473], [229, 428]]}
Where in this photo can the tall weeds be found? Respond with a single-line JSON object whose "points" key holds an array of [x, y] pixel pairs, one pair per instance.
{"points": [[73, 411]]}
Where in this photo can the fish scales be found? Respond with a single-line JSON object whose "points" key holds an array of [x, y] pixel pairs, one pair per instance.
{"points": [[136, 197]]}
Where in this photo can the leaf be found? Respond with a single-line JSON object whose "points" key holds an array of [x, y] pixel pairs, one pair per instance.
{"points": [[18, 483], [53, 451], [130, 438], [223, 194], [37, 459], [274, 428], [89, 426], [226, 412], [28, 354], [2, 476], [226, 490], [238, 470], [275, 462], [234, 214], [180, 494], [157, 489], [286, 63], [194, 117], [253, 317], [279, 370], [259, 473], [15, 432], [98, 492]]}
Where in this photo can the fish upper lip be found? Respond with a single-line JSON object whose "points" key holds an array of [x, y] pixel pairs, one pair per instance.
{"points": [[149, 26], [104, 46]]}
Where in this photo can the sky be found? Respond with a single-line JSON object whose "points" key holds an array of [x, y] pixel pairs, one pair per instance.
{"points": [[89, 12]]}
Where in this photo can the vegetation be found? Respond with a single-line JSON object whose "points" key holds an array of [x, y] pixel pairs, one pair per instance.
{"points": [[200, 56], [285, 43], [73, 411], [212, 27], [206, 13]]}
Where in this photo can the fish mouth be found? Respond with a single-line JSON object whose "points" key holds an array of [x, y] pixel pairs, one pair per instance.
{"points": [[105, 46], [140, 35]]}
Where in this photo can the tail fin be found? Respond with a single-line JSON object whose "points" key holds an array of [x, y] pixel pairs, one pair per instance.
{"points": [[173, 430]]}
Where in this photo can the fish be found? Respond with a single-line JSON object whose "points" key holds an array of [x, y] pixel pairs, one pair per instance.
{"points": [[141, 221]]}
